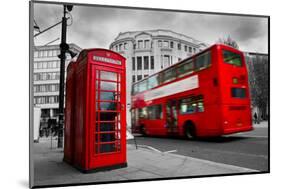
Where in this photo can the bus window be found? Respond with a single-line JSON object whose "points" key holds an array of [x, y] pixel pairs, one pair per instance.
{"points": [[143, 85], [200, 107], [238, 92], [232, 58], [169, 75], [135, 88], [153, 81], [191, 105], [154, 112], [186, 108], [142, 113], [185, 68], [203, 60]]}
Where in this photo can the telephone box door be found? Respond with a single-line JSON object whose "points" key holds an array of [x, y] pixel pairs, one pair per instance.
{"points": [[109, 121]]}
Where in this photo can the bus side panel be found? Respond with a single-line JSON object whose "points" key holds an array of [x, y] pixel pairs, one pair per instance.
{"points": [[155, 127], [210, 119], [211, 122]]}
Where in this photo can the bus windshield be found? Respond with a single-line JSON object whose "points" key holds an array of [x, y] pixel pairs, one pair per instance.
{"points": [[232, 58]]}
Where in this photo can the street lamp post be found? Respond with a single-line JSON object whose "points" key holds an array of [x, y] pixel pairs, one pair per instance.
{"points": [[63, 49]]}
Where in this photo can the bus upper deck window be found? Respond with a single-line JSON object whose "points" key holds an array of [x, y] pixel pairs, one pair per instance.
{"points": [[232, 58]]}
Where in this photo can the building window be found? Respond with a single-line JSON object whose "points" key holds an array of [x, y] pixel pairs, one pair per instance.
{"points": [[35, 77], [134, 78], [139, 77], [145, 63], [35, 54], [125, 46], [120, 47], [185, 48], [50, 53], [134, 46], [45, 54], [172, 44], [165, 44], [49, 64], [190, 49], [152, 62], [179, 59], [179, 46], [39, 65], [140, 44], [166, 60], [40, 54], [55, 53], [159, 43], [139, 63], [145, 75], [146, 44], [194, 50], [45, 64], [134, 63]]}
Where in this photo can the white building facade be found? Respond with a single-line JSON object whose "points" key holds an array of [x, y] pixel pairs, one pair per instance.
{"points": [[150, 51], [46, 76]]}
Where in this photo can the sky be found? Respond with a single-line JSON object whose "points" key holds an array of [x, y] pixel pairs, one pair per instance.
{"points": [[97, 27]]}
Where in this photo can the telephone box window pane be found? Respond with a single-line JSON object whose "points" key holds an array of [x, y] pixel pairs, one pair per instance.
{"points": [[108, 75], [108, 116], [108, 86], [108, 106], [107, 126], [107, 148], [107, 137], [107, 95]]}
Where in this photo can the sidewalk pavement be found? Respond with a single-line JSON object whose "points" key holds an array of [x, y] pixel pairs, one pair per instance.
{"points": [[143, 163], [262, 124]]}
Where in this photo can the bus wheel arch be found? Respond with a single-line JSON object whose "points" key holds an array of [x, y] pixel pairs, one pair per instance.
{"points": [[189, 129]]}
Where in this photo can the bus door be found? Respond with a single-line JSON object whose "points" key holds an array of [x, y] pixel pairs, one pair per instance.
{"points": [[171, 116]]}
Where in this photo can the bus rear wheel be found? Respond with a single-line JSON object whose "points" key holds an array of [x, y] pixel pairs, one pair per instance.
{"points": [[190, 132]]}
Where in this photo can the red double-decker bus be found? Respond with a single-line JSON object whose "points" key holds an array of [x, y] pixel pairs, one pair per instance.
{"points": [[204, 95]]}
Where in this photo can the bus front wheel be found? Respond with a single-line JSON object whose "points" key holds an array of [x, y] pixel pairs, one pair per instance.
{"points": [[190, 132]]}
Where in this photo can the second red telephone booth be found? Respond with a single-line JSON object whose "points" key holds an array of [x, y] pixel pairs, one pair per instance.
{"points": [[99, 111]]}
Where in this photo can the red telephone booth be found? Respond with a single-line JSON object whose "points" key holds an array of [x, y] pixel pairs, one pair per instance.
{"points": [[99, 111], [69, 113]]}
